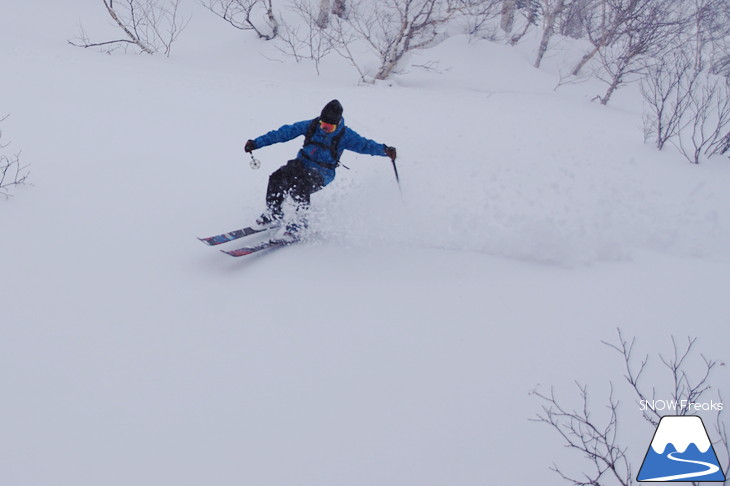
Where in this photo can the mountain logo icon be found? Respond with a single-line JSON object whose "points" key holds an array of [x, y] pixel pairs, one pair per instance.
{"points": [[681, 450]]}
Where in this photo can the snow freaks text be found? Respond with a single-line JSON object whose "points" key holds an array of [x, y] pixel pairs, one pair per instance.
{"points": [[679, 406]]}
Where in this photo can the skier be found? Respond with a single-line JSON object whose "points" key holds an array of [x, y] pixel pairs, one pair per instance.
{"points": [[325, 138]]}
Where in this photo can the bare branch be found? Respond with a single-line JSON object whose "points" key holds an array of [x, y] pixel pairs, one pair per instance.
{"points": [[667, 89], [12, 173], [706, 129], [598, 442], [579, 431], [308, 40], [244, 15], [634, 373], [393, 28], [150, 25]]}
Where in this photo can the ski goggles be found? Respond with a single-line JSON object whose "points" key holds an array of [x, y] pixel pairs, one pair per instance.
{"points": [[328, 127]]}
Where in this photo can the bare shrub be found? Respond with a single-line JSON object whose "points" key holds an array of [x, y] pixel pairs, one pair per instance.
{"points": [[390, 29], [308, 39], [256, 15], [687, 377], [667, 89], [706, 131], [151, 26], [650, 30], [478, 13], [393, 28], [12, 173]]}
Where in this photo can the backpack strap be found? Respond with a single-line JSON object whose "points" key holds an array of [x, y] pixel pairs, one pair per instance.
{"points": [[334, 144], [310, 131]]}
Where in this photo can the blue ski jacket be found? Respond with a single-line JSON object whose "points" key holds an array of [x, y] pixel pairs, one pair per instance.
{"points": [[316, 153]]}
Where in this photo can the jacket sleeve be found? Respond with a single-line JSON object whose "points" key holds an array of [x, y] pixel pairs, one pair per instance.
{"points": [[282, 134], [357, 143]]}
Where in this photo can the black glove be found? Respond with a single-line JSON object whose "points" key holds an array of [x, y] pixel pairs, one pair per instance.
{"points": [[250, 146], [390, 152]]}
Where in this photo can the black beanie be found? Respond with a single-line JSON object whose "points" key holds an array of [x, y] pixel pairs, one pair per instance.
{"points": [[332, 112]]}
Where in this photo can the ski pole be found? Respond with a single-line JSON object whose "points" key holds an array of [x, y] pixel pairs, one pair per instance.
{"points": [[397, 179]]}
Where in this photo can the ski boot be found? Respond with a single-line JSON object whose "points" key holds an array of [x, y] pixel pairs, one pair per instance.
{"points": [[267, 220]]}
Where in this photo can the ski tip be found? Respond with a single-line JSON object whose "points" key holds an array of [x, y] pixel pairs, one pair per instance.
{"points": [[266, 246], [239, 252], [216, 240]]}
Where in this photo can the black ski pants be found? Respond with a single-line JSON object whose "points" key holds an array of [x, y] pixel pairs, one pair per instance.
{"points": [[295, 180]]}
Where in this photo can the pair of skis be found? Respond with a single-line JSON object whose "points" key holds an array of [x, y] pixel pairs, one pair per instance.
{"points": [[247, 250]]}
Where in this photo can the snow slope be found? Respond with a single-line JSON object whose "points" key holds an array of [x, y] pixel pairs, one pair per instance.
{"points": [[397, 348]]}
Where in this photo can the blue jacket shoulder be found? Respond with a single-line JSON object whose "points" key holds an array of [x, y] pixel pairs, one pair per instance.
{"points": [[283, 134], [355, 142]]}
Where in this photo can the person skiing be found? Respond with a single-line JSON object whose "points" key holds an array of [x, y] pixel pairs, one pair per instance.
{"points": [[325, 138]]}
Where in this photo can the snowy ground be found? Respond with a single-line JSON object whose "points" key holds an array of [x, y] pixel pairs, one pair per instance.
{"points": [[397, 348]]}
